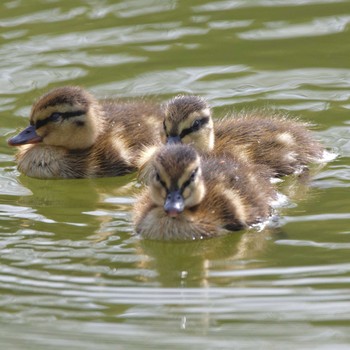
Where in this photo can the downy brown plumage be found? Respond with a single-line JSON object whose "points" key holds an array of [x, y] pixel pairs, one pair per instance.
{"points": [[193, 197], [285, 145], [73, 135]]}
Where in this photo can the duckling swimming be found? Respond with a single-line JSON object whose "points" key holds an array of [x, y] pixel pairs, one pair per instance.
{"points": [[73, 135], [285, 145], [193, 197]]}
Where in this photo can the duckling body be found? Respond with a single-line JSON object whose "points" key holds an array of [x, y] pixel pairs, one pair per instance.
{"points": [[285, 145], [73, 135], [192, 197]]}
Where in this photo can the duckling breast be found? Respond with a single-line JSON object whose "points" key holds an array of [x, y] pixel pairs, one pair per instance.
{"points": [[152, 222], [41, 161]]}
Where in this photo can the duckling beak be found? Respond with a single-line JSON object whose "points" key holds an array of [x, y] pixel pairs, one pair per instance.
{"points": [[171, 140], [174, 204], [28, 135]]}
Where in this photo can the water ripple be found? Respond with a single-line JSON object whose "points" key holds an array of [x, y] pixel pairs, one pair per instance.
{"points": [[287, 84], [53, 15], [281, 30], [233, 4], [72, 275], [131, 8]]}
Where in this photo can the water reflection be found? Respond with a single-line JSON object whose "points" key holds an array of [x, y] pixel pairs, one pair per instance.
{"points": [[86, 202], [188, 264]]}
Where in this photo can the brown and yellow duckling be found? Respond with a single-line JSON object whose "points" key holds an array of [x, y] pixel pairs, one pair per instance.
{"points": [[192, 197], [73, 135], [285, 145]]}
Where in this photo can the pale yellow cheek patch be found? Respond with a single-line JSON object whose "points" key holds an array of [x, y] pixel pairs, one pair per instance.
{"points": [[186, 193], [158, 195], [201, 140], [194, 194], [286, 139]]}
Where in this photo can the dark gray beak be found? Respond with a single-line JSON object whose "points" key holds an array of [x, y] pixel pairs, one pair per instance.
{"points": [[174, 203], [28, 135], [171, 140]]}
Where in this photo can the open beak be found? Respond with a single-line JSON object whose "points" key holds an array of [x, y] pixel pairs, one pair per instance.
{"points": [[171, 140], [174, 204], [28, 135]]}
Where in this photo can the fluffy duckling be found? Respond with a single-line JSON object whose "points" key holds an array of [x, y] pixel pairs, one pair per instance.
{"points": [[73, 135], [285, 145], [192, 197]]}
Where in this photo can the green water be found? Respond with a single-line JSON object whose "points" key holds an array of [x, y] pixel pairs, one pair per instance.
{"points": [[73, 275]]}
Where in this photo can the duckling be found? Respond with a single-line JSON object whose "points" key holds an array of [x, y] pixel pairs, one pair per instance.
{"points": [[285, 145], [193, 197], [73, 135]]}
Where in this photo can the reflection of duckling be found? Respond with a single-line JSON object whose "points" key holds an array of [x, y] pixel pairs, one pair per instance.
{"points": [[72, 135], [285, 145], [191, 198]]}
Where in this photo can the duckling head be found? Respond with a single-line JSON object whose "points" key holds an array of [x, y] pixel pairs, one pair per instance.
{"points": [[187, 119], [176, 180], [66, 117]]}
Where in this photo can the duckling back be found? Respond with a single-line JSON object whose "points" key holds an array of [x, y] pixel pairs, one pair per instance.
{"points": [[285, 145], [132, 126], [139, 121], [193, 197]]}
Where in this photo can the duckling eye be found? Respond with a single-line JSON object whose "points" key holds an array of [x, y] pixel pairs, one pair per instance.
{"points": [[164, 127], [193, 175], [157, 177], [196, 124], [55, 116]]}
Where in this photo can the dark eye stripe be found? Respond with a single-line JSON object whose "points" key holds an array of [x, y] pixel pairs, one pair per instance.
{"points": [[54, 116], [197, 126], [191, 178], [161, 181], [163, 184]]}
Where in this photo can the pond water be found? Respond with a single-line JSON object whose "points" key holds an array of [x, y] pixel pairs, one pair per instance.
{"points": [[73, 275]]}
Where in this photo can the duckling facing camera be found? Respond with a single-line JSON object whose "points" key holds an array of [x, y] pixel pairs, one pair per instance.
{"points": [[73, 135], [285, 145], [192, 197]]}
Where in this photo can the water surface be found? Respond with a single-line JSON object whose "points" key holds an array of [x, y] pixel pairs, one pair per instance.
{"points": [[72, 274]]}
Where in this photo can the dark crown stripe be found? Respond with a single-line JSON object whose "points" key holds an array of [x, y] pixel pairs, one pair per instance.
{"points": [[69, 97]]}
